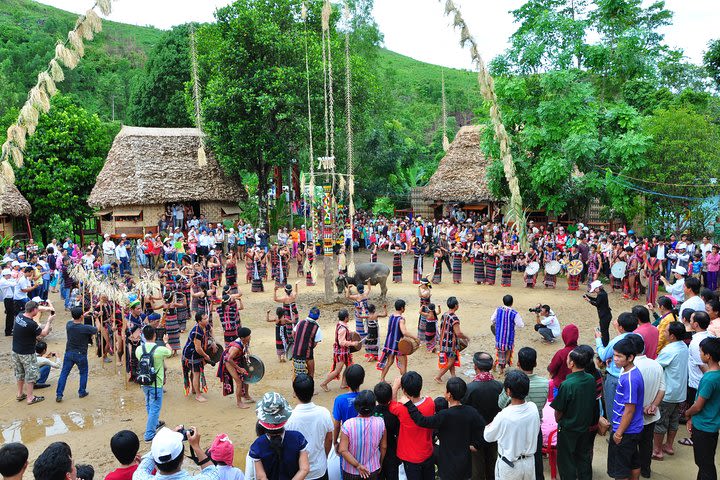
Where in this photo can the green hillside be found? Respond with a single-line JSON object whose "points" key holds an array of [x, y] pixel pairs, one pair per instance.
{"points": [[28, 33]]}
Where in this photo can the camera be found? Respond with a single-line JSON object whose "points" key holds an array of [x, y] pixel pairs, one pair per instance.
{"points": [[186, 433], [534, 310]]}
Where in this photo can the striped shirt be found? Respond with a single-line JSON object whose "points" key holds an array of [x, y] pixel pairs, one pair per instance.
{"points": [[506, 319], [448, 342], [364, 437], [538, 393]]}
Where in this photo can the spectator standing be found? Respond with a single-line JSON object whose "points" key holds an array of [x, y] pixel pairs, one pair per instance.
{"points": [[78, 338], [699, 323], [558, 367], [574, 409], [646, 330], [23, 288], [108, 249], [514, 431], [7, 289], [315, 423], [13, 461], [26, 331], [383, 396], [483, 394], [674, 360], [692, 298], [363, 441], [344, 404], [153, 392], [704, 415], [625, 324], [124, 445]]}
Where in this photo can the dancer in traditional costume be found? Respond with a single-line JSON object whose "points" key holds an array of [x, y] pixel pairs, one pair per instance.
{"points": [[361, 303], [449, 355], [172, 327], [419, 250], [231, 270], [618, 255], [490, 264], [634, 263], [201, 295], [195, 355], [505, 319], [104, 314], [390, 352], [457, 253], [437, 266], [573, 281], [653, 271], [342, 357], [257, 272], [307, 336], [424, 292], [507, 261], [550, 254], [134, 322], [233, 368], [430, 315], [250, 265], [300, 259], [282, 346], [229, 314], [373, 332], [397, 262], [310, 253], [530, 280], [478, 255], [289, 303], [593, 265]]}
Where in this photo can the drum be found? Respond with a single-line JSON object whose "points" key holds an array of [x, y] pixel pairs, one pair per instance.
{"points": [[462, 344], [256, 369], [552, 267], [217, 356], [644, 281], [575, 267], [532, 268], [355, 337], [407, 346], [618, 270]]}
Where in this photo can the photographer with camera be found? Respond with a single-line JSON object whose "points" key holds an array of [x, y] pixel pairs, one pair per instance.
{"points": [[600, 301], [546, 323], [151, 376], [167, 454]]}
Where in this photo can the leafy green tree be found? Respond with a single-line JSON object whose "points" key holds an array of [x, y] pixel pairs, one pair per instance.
{"points": [[62, 160], [157, 98], [711, 60]]}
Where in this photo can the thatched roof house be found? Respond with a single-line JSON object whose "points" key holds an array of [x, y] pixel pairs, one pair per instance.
{"points": [[148, 169], [13, 206], [461, 175]]}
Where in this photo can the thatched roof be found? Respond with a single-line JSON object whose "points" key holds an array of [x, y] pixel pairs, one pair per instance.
{"points": [[461, 174], [147, 166], [13, 204]]}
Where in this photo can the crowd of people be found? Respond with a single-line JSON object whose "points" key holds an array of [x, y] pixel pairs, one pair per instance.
{"points": [[659, 369]]}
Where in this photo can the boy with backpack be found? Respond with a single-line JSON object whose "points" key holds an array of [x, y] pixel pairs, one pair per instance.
{"points": [[151, 376]]}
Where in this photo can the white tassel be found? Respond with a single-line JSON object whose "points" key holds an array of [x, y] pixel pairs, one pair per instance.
{"points": [[93, 21], [8, 172], [351, 185], [85, 30], [56, 71], [29, 117], [351, 269], [17, 157], [68, 57], [105, 7], [77, 42], [304, 12], [202, 158], [46, 80], [39, 98], [306, 265], [445, 143], [16, 134], [6, 149]]}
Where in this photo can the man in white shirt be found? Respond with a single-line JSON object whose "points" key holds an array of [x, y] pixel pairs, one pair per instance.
{"points": [[7, 290], [108, 248], [515, 431], [676, 289], [314, 422], [699, 322], [22, 289], [547, 324], [220, 236], [653, 377], [691, 292], [121, 253]]}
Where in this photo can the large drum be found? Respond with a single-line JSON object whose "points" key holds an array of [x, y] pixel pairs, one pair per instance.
{"points": [[355, 337], [553, 267], [618, 270], [216, 356], [462, 344], [532, 268], [575, 267], [644, 281], [407, 345], [256, 369]]}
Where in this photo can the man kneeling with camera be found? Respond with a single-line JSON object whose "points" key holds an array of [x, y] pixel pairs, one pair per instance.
{"points": [[546, 323], [167, 454]]}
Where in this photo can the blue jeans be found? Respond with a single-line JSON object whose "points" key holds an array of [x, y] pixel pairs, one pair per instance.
{"points": [[125, 265], [71, 359], [44, 374], [65, 294], [609, 388], [153, 404]]}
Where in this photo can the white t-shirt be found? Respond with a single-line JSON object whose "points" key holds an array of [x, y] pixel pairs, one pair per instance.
{"points": [[696, 303], [314, 422], [23, 283], [515, 429], [226, 472], [551, 322], [694, 361], [653, 376]]}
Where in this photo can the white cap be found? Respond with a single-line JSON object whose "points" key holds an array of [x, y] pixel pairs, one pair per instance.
{"points": [[123, 235], [6, 271], [15, 263], [595, 285], [107, 235], [37, 299], [23, 264], [681, 246], [166, 446], [679, 270], [21, 253]]}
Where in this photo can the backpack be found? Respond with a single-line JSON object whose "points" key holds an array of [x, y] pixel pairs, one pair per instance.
{"points": [[146, 374]]}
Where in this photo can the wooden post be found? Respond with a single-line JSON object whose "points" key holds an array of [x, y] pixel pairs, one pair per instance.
{"points": [[328, 264]]}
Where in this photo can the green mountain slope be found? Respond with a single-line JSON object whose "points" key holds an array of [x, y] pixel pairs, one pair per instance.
{"points": [[28, 33]]}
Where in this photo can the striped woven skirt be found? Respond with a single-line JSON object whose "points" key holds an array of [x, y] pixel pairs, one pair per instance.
{"points": [[652, 289], [417, 269], [257, 285], [397, 268], [371, 340], [506, 271], [437, 271], [457, 268], [550, 280], [617, 283], [573, 282], [281, 341], [490, 271], [430, 335], [530, 280], [424, 302], [479, 269], [173, 331]]}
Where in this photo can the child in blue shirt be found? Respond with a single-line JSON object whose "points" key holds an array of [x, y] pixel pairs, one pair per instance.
{"points": [[697, 265]]}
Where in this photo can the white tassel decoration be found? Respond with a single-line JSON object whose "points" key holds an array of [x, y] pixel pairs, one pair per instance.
{"points": [[105, 7], [56, 71], [202, 158], [77, 42]]}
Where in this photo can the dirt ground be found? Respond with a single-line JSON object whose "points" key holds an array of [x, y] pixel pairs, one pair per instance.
{"points": [[87, 424]]}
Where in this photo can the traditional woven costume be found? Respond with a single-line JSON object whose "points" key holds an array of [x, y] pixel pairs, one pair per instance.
{"points": [[341, 353], [303, 349], [105, 312], [573, 281], [192, 361], [449, 354], [257, 283], [231, 274], [424, 302], [418, 253], [371, 339], [308, 275], [490, 268], [504, 335], [457, 266], [479, 271], [437, 269], [183, 294], [506, 269], [549, 280], [291, 313], [250, 266], [397, 266], [230, 320], [593, 266], [391, 341], [240, 361], [430, 331], [173, 328], [616, 283], [360, 313], [653, 276]]}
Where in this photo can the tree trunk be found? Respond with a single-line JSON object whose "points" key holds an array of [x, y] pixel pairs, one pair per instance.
{"points": [[262, 173], [329, 275]]}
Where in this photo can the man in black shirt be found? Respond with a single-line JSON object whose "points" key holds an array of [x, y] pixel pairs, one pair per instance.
{"points": [[460, 431], [603, 309], [78, 336], [483, 393], [26, 331], [383, 395]]}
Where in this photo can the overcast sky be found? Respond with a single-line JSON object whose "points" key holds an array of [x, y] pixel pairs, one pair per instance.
{"points": [[417, 28]]}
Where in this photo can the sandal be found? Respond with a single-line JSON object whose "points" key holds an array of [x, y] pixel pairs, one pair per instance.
{"points": [[668, 450], [686, 441], [35, 400], [21, 397]]}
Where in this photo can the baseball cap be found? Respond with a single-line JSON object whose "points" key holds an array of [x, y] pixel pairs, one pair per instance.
{"points": [[6, 271], [166, 446], [222, 449], [679, 270], [681, 246]]}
